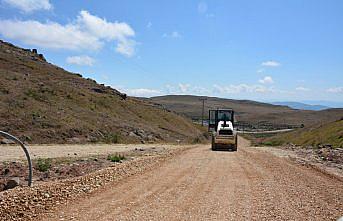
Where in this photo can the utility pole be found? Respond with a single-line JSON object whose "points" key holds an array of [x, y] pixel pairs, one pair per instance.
{"points": [[203, 110]]}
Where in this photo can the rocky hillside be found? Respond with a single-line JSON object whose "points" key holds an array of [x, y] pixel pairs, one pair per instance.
{"points": [[42, 103]]}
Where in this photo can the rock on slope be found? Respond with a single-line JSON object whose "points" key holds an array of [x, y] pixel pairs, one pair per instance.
{"points": [[42, 103]]}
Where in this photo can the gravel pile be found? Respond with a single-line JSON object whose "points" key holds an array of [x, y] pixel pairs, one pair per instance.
{"points": [[25, 203]]}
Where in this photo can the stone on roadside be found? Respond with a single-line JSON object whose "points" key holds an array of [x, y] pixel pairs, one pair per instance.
{"points": [[12, 183]]}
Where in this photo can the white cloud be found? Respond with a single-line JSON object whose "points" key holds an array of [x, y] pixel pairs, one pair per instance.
{"points": [[335, 90], [174, 34], [126, 47], [203, 10], [117, 31], [49, 35], [271, 64], [149, 25], [184, 87], [142, 92], [202, 7], [215, 90], [201, 90], [302, 89], [88, 32], [81, 60], [260, 70], [241, 88], [29, 5], [266, 80]]}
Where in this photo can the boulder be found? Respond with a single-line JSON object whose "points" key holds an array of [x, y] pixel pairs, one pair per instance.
{"points": [[74, 140], [2, 187], [6, 171], [132, 134], [123, 96], [328, 146], [41, 56], [141, 133], [12, 183], [98, 90]]}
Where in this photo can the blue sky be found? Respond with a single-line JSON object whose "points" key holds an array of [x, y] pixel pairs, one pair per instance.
{"points": [[259, 50]]}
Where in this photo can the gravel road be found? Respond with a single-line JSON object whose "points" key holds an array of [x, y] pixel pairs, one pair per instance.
{"points": [[13, 152], [203, 185]]}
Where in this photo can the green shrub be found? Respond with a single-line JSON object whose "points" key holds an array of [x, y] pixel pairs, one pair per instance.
{"points": [[43, 164], [115, 158], [272, 143]]}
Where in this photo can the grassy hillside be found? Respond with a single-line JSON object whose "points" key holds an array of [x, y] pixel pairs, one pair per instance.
{"points": [[330, 133], [246, 110], [42, 103]]}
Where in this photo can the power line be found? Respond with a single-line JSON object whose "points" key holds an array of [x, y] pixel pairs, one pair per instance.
{"points": [[203, 110]]}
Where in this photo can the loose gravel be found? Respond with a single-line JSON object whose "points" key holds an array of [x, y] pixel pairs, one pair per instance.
{"points": [[199, 184], [25, 203]]}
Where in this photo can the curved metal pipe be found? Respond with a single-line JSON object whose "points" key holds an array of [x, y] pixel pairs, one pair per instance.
{"points": [[9, 136]]}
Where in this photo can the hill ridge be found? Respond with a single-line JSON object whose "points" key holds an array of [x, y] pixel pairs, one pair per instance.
{"points": [[247, 110]]}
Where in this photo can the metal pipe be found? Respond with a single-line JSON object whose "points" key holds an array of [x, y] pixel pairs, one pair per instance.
{"points": [[9, 136]]}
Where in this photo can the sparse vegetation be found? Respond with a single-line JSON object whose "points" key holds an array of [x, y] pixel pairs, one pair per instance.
{"points": [[111, 138], [34, 94], [43, 164], [116, 157], [272, 143], [197, 140]]}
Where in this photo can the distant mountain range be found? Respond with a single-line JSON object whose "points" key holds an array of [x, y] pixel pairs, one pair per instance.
{"points": [[301, 106], [332, 104]]}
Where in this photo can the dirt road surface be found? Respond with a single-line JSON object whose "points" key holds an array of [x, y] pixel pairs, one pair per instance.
{"points": [[13, 152], [203, 185]]}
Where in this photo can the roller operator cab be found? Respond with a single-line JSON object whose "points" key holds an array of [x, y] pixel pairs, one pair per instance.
{"points": [[221, 125]]}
